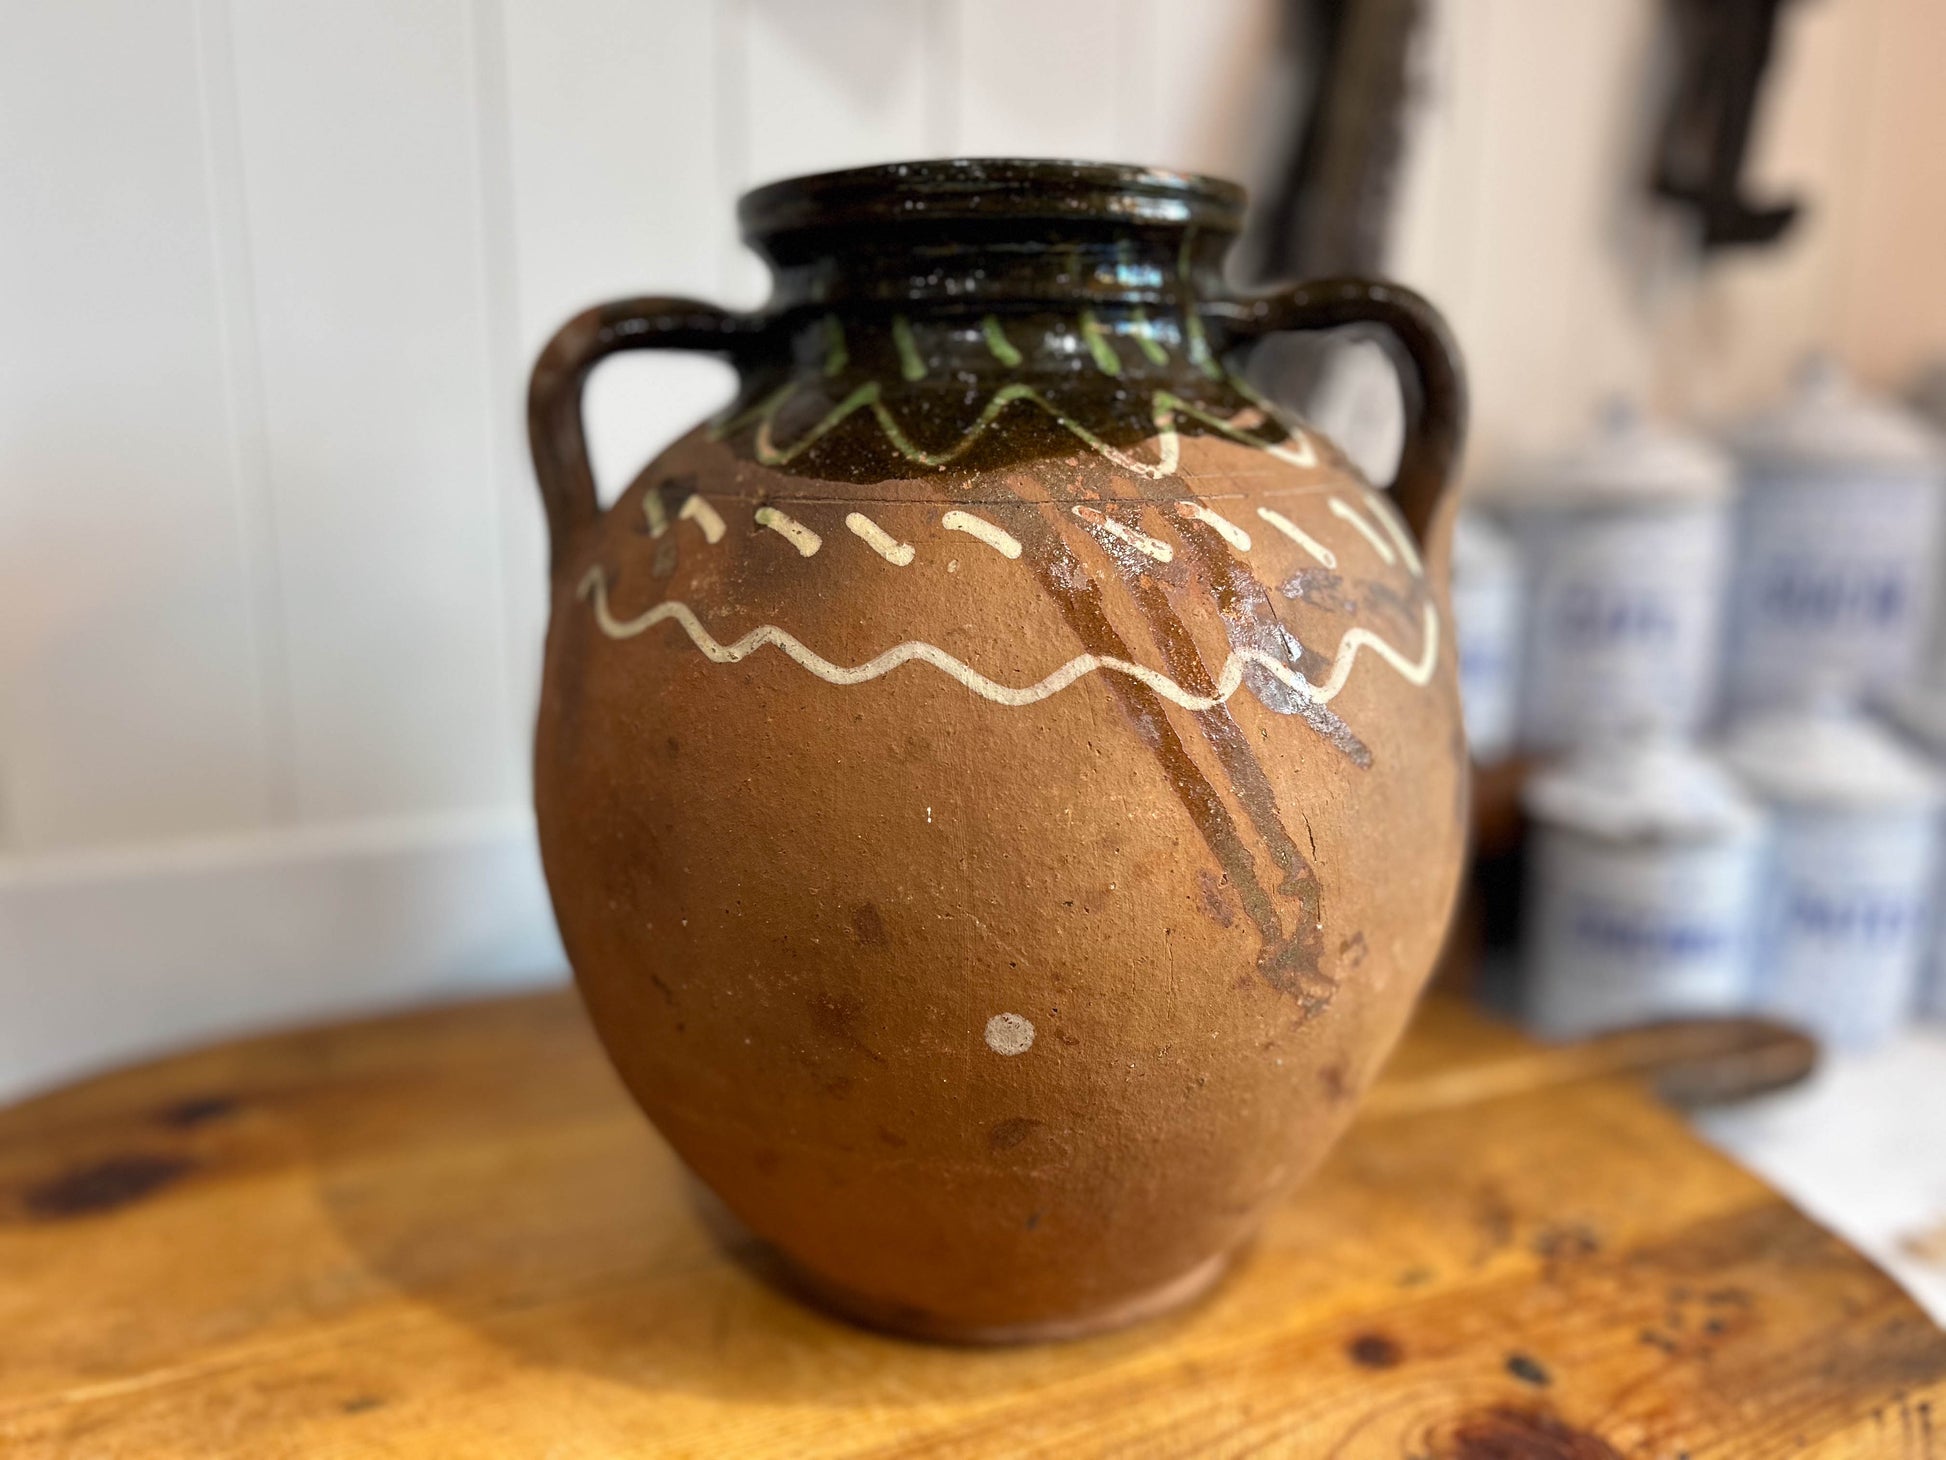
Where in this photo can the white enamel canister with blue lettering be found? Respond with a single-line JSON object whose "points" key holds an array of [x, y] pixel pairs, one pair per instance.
{"points": [[1846, 910], [1643, 888], [1488, 599], [1625, 543], [1920, 714], [1838, 526]]}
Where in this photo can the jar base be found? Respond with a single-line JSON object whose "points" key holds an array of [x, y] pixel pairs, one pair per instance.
{"points": [[769, 1265], [904, 1321]]}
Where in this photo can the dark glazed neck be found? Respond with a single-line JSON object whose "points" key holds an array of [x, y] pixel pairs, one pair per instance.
{"points": [[993, 236]]}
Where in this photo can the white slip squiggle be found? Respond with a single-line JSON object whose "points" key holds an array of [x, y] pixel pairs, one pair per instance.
{"points": [[1345, 512], [1235, 536], [653, 510], [1151, 546], [888, 547], [698, 511], [790, 529], [1389, 518], [1417, 672], [999, 539], [1299, 536]]}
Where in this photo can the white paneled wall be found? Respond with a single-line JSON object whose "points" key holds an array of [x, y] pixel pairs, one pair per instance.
{"points": [[271, 275]]}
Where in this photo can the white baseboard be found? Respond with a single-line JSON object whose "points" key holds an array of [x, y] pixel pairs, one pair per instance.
{"points": [[116, 956]]}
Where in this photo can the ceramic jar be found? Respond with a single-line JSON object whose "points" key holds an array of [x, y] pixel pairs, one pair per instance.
{"points": [[1842, 935], [1837, 532], [1644, 888], [1489, 596], [1001, 782], [1626, 545]]}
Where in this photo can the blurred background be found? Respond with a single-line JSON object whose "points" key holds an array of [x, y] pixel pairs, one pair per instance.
{"points": [[271, 276]]}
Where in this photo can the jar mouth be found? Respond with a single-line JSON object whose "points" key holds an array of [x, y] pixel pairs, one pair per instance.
{"points": [[968, 189]]}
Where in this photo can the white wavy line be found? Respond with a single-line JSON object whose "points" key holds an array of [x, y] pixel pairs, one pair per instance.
{"points": [[704, 516], [1345, 512], [1299, 536], [594, 588], [1235, 536]]}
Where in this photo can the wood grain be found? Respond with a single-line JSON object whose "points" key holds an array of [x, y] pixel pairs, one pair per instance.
{"points": [[448, 1234]]}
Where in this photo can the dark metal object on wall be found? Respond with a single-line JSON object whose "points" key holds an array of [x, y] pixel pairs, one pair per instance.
{"points": [[1328, 210], [1725, 48]]}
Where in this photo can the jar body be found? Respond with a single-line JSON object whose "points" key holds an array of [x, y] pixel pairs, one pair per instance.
{"points": [[1001, 786]]}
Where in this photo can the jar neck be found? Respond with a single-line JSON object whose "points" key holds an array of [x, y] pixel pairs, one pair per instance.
{"points": [[994, 266]]}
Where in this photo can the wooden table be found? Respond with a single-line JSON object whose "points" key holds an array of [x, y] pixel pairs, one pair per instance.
{"points": [[449, 1234]]}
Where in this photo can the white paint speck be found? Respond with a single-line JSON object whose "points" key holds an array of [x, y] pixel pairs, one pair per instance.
{"points": [[1009, 1034]]}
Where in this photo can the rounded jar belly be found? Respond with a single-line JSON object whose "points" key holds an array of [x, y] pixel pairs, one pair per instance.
{"points": [[998, 889]]}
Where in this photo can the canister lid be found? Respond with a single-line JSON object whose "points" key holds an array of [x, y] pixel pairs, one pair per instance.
{"points": [[1649, 787], [1627, 458], [1829, 758], [1827, 422]]}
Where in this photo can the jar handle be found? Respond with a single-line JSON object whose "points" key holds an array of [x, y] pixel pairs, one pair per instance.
{"points": [[1432, 378], [555, 431]]}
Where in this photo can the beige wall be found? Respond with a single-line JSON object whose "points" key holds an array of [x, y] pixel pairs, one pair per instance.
{"points": [[1523, 214]]}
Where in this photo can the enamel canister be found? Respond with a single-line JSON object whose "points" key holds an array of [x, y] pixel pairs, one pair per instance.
{"points": [[1920, 713], [1837, 527], [1844, 916], [1488, 601], [1643, 888], [1626, 545]]}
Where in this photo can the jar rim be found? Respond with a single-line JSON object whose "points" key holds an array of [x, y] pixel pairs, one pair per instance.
{"points": [[993, 189]]}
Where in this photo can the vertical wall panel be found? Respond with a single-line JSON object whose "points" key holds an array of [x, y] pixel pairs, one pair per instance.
{"points": [[1732, 334], [838, 84], [617, 187], [1040, 80], [360, 160], [130, 691], [1195, 95]]}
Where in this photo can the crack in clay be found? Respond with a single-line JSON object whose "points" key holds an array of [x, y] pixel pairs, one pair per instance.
{"points": [[594, 589]]}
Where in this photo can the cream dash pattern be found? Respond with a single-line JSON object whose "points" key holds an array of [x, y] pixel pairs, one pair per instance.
{"points": [[999, 539], [888, 547], [1121, 532], [700, 512], [790, 529], [1417, 672], [1298, 535], [1345, 512], [1235, 536]]}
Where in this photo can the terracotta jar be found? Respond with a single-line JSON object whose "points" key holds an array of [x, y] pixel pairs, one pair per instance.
{"points": [[1001, 782]]}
